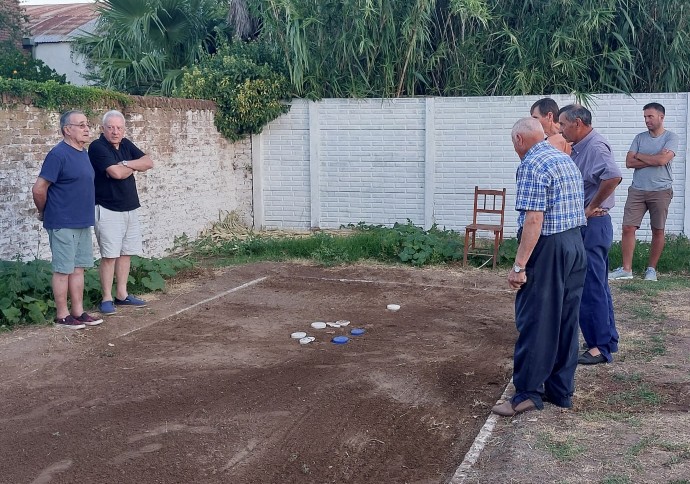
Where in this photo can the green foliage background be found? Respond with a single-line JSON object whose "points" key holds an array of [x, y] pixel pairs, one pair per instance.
{"points": [[243, 81]]}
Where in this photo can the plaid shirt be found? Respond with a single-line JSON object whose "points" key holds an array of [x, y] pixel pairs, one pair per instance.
{"points": [[548, 181]]}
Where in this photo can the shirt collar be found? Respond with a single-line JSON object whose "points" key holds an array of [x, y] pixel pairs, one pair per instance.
{"points": [[537, 147], [582, 144]]}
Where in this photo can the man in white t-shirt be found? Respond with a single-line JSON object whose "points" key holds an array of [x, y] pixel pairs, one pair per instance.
{"points": [[651, 191]]}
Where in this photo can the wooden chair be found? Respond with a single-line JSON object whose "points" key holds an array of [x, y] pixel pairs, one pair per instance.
{"points": [[489, 206]]}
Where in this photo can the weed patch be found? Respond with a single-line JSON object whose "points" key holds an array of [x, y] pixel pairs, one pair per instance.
{"points": [[562, 450]]}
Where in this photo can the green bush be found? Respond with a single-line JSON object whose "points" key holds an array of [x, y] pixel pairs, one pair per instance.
{"points": [[60, 97], [248, 91], [26, 295], [15, 65]]}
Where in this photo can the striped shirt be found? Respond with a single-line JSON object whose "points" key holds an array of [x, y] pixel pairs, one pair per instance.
{"points": [[549, 181]]}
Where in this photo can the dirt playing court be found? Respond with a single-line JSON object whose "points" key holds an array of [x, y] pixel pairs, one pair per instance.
{"points": [[206, 385]]}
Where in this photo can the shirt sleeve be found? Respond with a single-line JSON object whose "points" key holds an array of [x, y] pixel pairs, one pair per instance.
{"points": [[532, 188], [635, 145], [607, 167], [52, 166], [134, 152], [672, 143], [101, 156]]}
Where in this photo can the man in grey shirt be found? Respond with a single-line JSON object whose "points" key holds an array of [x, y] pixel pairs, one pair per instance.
{"points": [[650, 155]]}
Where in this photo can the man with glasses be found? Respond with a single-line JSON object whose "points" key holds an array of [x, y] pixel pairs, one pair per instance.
{"points": [[64, 196], [115, 159]]}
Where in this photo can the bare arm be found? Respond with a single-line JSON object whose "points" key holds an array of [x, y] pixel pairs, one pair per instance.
{"points": [[531, 231], [120, 171], [40, 194], [606, 188], [643, 160]]}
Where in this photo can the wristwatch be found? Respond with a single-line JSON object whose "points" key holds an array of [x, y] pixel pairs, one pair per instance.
{"points": [[124, 162], [518, 269]]}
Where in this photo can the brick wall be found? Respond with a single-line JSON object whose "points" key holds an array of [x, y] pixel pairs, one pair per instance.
{"points": [[376, 161], [198, 175]]}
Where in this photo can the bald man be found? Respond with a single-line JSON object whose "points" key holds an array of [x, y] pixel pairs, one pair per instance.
{"points": [[548, 274]]}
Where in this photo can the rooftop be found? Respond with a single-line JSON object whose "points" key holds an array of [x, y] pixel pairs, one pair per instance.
{"points": [[59, 23]]}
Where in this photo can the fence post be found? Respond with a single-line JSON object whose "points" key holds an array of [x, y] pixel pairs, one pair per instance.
{"points": [[429, 163]]}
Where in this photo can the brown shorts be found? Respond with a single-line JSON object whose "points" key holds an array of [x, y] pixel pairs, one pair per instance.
{"points": [[639, 202]]}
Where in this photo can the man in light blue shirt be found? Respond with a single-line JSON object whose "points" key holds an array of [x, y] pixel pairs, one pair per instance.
{"points": [[651, 191]]}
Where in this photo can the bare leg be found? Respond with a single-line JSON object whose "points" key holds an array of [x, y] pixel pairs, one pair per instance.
{"points": [[628, 246], [658, 242], [107, 270], [76, 291], [60, 285], [122, 264]]}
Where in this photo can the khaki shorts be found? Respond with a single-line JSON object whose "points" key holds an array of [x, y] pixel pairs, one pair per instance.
{"points": [[640, 201], [118, 233], [70, 248]]}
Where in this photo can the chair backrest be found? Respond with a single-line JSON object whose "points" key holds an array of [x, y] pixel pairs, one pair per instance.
{"points": [[489, 202]]}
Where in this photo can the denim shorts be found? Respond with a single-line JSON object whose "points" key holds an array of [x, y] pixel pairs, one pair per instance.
{"points": [[71, 248]]}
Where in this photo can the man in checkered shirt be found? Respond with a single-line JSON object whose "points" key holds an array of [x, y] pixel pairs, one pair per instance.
{"points": [[549, 272]]}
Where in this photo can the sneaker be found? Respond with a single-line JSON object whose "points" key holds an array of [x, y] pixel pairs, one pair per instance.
{"points": [[88, 320], [107, 307], [650, 274], [620, 274], [69, 322], [130, 301]]}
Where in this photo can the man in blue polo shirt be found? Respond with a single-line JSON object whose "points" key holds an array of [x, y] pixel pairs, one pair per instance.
{"points": [[64, 196], [549, 273]]}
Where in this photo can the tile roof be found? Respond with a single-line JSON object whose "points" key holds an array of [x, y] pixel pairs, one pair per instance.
{"points": [[58, 23]]}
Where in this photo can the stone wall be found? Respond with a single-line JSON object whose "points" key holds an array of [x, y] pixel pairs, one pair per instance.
{"points": [[198, 175]]}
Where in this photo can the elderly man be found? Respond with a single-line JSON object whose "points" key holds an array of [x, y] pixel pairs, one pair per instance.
{"points": [[64, 196], [650, 155], [546, 112], [115, 159], [549, 272], [601, 175]]}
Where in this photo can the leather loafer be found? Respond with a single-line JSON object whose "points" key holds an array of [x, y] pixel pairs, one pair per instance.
{"points": [[507, 409], [586, 358]]}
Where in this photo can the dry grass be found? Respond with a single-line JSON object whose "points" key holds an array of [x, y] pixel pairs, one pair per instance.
{"points": [[630, 420]]}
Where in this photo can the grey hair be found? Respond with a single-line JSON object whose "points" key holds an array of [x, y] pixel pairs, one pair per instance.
{"points": [[575, 111], [110, 114], [64, 118], [527, 125]]}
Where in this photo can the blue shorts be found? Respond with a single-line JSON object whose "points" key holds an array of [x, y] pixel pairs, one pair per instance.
{"points": [[71, 248]]}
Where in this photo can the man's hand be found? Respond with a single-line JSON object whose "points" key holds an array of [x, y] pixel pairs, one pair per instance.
{"points": [[595, 211], [516, 279]]}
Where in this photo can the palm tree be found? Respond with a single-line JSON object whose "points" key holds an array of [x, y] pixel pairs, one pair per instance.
{"points": [[140, 46]]}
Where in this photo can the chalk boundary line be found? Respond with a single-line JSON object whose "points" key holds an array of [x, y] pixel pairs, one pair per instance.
{"points": [[207, 300]]}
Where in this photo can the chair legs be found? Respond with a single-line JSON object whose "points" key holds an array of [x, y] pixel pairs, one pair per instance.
{"points": [[471, 245]]}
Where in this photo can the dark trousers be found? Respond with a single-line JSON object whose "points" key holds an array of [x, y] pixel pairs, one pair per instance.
{"points": [[547, 307], [597, 321]]}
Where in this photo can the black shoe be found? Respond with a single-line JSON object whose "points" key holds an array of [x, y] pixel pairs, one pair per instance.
{"points": [[586, 358], [585, 346]]}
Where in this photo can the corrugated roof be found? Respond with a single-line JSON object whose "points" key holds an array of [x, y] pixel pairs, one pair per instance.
{"points": [[58, 23]]}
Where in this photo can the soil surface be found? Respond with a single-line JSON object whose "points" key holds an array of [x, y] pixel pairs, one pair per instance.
{"points": [[205, 385]]}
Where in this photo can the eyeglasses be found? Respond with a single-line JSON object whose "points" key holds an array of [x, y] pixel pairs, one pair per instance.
{"points": [[81, 125]]}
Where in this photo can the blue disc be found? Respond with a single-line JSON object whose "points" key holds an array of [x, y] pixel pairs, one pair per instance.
{"points": [[340, 340], [357, 331]]}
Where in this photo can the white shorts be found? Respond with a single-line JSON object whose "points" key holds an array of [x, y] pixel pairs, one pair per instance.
{"points": [[118, 233]]}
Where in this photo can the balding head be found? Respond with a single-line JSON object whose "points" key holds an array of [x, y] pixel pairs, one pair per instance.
{"points": [[526, 133]]}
